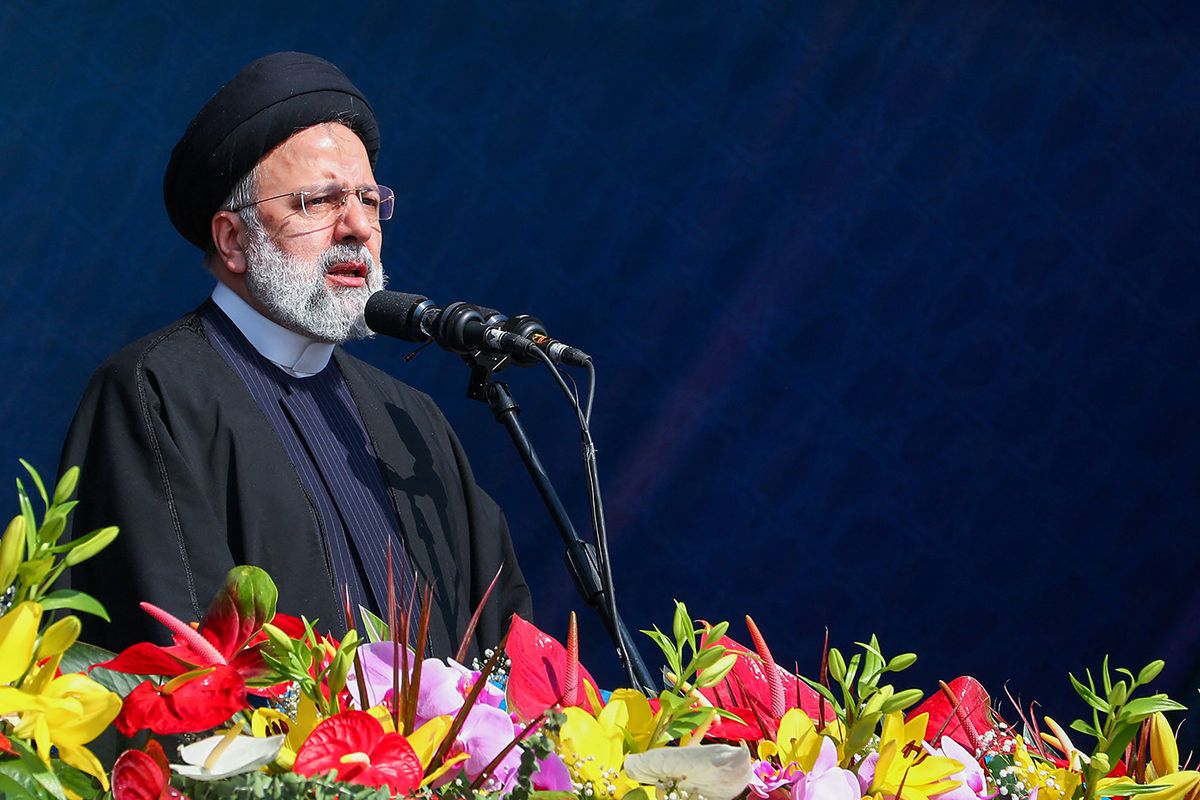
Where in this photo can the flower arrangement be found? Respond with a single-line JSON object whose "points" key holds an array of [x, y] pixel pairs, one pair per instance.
{"points": [[268, 706]]}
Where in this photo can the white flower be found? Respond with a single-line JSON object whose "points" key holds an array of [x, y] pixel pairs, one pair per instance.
{"points": [[242, 754], [714, 771]]}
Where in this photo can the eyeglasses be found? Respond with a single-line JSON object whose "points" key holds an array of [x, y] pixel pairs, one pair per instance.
{"points": [[326, 203]]}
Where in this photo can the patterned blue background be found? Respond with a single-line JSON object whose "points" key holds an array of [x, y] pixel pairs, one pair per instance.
{"points": [[894, 305]]}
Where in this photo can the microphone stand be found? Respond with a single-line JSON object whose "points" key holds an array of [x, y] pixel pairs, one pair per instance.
{"points": [[580, 557]]}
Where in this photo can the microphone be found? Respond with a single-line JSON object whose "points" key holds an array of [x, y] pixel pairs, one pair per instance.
{"points": [[464, 328], [459, 327], [533, 330]]}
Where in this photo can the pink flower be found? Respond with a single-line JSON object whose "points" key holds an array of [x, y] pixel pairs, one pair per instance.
{"points": [[827, 781], [768, 777], [974, 785]]}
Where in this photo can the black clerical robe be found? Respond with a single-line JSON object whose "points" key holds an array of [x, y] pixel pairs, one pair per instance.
{"points": [[175, 452]]}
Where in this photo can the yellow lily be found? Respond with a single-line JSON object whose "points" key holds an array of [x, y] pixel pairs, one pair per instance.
{"points": [[269, 722], [593, 753], [426, 740], [18, 633], [1175, 786], [903, 761], [629, 711], [1163, 770], [1164, 752], [1052, 783], [67, 711], [797, 741]]}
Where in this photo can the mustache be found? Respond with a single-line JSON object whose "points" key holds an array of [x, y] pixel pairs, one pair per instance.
{"points": [[340, 252]]}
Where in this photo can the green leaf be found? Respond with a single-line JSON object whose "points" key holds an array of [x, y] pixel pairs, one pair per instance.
{"points": [[1094, 700], [1083, 727], [36, 769], [824, 692], [686, 723], [872, 664], [548, 795], [862, 732], [377, 629], [18, 785], [34, 570], [80, 656], [1104, 676], [66, 486], [901, 662], [673, 703], [52, 528], [852, 669], [76, 601], [729, 715], [75, 780], [1137, 710], [1127, 789], [31, 526], [37, 481], [634, 794]]}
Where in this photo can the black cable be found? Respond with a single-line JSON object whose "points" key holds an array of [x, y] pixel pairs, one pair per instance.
{"points": [[592, 475]]}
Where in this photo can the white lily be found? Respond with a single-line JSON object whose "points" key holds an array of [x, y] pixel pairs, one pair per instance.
{"points": [[223, 755], [698, 772]]}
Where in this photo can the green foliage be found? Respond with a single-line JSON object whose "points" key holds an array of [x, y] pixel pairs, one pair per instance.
{"points": [[285, 786], [1116, 717], [28, 776], [694, 662], [81, 656], [313, 663], [864, 699], [32, 558], [534, 748]]}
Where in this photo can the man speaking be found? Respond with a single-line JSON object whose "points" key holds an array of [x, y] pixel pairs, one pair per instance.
{"points": [[241, 434]]}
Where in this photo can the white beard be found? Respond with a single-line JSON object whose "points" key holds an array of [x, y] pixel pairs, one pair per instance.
{"points": [[294, 293]]}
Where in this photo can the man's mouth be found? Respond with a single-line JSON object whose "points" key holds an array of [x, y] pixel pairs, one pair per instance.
{"points": [[347, 273]]}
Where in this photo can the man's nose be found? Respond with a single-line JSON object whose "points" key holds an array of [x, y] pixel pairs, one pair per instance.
{"points": [[354, 224]]}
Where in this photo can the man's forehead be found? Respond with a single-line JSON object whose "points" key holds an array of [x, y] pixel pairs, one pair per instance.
{"points": [[328, 150]]}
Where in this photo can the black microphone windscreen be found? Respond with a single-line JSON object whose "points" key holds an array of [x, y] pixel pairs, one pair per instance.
{"points": [[391, 313]]}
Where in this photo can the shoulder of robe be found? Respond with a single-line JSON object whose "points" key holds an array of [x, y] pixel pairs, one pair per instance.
{"points": [[172, 356]]}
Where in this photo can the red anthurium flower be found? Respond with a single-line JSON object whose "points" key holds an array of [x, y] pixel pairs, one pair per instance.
{"points": [[230, 633], [543, 673], [965, 720], [185, 705], [759, 691], [139, 776], [354, 745]]}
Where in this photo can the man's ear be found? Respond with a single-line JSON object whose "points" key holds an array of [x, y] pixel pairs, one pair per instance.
{"points": [[227, 229]]}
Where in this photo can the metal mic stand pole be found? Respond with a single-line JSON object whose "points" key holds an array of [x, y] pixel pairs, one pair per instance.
{"points": [[580, 559]]}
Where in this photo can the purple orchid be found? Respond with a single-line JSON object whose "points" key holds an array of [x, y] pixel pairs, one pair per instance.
{"points": [[826, 780], [973, 783], [768, 777], [444, 684]]}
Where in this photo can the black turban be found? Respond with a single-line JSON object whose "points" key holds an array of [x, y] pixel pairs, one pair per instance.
{"points": [[265, 103]]}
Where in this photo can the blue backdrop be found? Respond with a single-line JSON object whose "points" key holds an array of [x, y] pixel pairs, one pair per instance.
{"points": [[894, 305]]}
